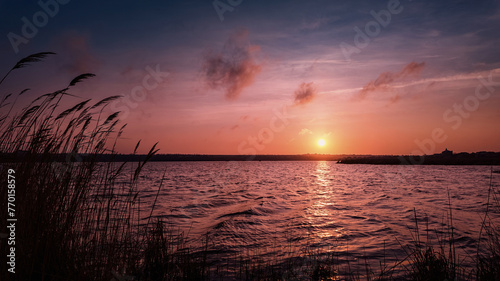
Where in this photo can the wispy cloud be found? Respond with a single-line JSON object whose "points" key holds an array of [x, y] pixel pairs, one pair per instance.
{"points": [[386, 79], [233, 69], [305, 131], [451, 78], [313, 24], [429, 82], [305, 93]]}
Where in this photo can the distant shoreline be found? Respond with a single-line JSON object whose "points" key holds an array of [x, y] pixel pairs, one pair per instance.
{"points": [[477, 158]]}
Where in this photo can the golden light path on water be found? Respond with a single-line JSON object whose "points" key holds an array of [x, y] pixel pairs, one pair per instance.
{"points": [[323, 197]]}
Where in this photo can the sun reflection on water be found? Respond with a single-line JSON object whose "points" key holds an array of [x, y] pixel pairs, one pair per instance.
{"points": [[321, 214]]}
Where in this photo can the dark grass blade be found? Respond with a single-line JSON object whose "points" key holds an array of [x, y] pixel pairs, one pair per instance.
{"points": [[26, 61], [80, 78], [77, 107], [105, 101], [111, 117], [32, 58]]}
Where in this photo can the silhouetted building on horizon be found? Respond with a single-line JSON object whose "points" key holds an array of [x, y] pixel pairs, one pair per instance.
{"points": [[447, 152]]}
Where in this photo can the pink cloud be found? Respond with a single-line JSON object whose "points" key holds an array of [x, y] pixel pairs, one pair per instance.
{"points": [[305, 93], [385, 79], [234, 68]]}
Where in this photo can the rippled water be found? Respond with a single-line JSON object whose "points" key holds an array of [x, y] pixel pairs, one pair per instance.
{"points": [[358, 210]]}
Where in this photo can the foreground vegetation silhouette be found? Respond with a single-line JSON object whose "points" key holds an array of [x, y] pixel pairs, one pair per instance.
{"points": [[76, 221]]}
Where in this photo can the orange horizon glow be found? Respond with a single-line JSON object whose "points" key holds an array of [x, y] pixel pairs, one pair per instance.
{"points": [[197, 86], [376, 125]]}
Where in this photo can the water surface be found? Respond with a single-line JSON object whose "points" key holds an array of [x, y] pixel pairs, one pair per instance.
{"points": [[272, 208]]}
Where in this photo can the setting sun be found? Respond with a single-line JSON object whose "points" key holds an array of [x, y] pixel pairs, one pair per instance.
{"points": [[321, 142]]}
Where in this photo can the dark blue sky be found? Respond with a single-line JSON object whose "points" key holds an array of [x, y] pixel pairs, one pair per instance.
{"points": [[157, 24]]}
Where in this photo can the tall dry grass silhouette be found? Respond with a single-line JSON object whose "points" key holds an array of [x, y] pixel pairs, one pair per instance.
{"points": [[74, 221]]}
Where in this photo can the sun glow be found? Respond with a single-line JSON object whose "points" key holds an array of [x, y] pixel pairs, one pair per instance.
{"points": [[321, 142]]}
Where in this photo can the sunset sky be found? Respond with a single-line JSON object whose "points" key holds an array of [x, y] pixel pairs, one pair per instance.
{"points": [[272, 77]]}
